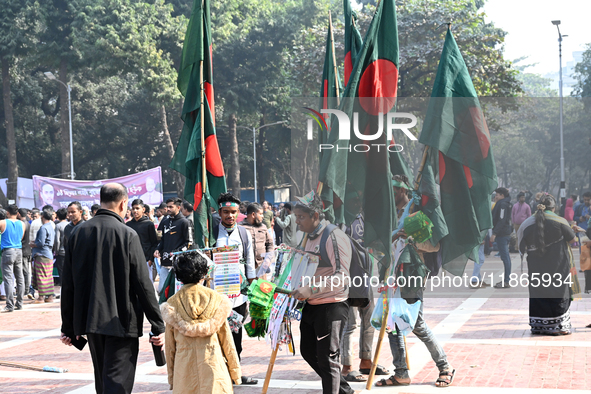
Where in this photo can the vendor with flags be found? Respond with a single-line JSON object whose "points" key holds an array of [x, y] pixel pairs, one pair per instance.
{"points": [[325, 314], [400, 184]]}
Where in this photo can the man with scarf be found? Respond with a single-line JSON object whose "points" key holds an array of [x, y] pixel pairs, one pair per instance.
{"points": [[502, 231]]}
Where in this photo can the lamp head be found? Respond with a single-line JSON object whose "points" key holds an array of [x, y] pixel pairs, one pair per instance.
{"points": [[49, 75], [556, 23]]}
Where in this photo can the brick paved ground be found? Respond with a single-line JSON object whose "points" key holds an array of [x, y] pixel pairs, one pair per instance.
{"points": [[487, 340]]}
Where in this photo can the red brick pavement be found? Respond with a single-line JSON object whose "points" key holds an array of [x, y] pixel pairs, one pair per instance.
{"points": [[546, 363]]}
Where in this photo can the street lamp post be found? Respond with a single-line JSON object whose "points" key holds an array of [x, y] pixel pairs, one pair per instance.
{"points": [[562, 177], [49, 75], [254, 149]]}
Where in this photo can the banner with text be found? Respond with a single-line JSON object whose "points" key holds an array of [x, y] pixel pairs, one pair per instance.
{"points": [[58, 193]]}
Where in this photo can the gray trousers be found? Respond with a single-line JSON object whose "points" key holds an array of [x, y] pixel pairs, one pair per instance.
{"points": [[365, 337], [12, 271], [27, 273], [423, 332]]}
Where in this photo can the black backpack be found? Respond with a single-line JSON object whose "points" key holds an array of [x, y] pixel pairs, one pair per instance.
{"points": [[359, 269]]}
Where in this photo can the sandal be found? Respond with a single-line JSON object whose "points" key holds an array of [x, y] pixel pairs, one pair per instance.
{"points": [[391, 381], [355, 376], [247, 380], [445, 378], [380, 370]]}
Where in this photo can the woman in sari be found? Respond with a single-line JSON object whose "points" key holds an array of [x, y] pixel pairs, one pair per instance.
{"points": [[545, 237]]}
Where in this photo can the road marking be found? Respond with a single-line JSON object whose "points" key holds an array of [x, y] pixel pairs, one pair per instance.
{"points": [[35, 336]]}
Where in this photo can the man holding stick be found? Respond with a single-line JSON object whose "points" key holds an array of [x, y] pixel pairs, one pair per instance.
{"points": [[401, 377]]}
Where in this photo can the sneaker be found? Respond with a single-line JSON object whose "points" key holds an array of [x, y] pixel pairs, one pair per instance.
{"points": [[30, 296], [18, 308], [6, 310], [502, 285]]}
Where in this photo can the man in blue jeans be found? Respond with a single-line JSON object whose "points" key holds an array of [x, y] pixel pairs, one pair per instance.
{"points": [[502, 230]]}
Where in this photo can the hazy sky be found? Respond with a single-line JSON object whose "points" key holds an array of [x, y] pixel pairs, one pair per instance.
{"points": [[531, 32]]}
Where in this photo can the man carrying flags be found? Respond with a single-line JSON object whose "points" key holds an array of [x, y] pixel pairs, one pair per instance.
{"points": [[325, 314]]}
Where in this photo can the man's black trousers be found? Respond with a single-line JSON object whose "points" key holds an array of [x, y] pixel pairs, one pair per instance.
{"points": [[321, 331], [114, 360]]}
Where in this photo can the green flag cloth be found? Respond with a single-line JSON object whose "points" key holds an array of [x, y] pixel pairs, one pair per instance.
{"points": [[430, 203], [357, 171], [188, 158], [353, 40], [461, 156], [330, 90]]}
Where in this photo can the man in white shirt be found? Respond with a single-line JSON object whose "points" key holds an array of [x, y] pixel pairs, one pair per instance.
{"points": [[229, 233]]}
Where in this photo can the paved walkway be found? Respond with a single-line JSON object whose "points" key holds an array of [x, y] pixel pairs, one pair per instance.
{"points": [[486, 338]]}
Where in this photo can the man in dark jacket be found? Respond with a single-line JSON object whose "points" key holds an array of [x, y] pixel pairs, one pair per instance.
{"points": [[502, 231], [146, 231], [176, 234], [106, 291], [262, 241], [75, 218]]}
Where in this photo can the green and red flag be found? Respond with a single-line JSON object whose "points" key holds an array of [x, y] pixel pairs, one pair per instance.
{"points": [[358, 176], [330, 90], [461, 158], [353, 41], [188, 158]]}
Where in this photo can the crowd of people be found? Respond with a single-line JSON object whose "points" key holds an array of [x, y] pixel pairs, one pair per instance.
{"points": [[103, 262]]}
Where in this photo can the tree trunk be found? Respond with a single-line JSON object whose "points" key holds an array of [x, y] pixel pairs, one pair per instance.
{"points": [[64, 122], [10, 136], [177, 177], [234, 175]]}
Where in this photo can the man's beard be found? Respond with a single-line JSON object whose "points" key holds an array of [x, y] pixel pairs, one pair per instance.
{"points": [[257, 223]]}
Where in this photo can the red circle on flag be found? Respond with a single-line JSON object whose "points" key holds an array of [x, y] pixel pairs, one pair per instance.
{"points": [[378, 87], [213, 160]]}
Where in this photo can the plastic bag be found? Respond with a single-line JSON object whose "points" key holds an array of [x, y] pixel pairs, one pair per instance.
{"points": [[378, 312], [405, 315]]}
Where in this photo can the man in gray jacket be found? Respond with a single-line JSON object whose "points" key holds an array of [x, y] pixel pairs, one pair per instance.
{"points": [[287, 221]]}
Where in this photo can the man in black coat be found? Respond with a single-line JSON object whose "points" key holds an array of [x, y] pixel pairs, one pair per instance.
{"points": [[502, 230], [106, 291], [147, 233], [176, 235]]}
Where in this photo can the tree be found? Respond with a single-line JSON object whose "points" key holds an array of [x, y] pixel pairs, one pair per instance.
{"points": [[15, 39], [583, 75]]}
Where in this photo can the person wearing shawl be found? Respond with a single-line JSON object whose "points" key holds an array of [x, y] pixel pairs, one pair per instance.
{"points": [[569, 212], [200, 352], [545, 237]]}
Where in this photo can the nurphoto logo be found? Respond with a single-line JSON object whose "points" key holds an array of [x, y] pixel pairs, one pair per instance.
{"points": [[344, 127]]}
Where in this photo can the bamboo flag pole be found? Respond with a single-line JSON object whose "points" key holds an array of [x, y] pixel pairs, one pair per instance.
{"points": [[270, 369], [334, 60], [386, 309], [276, 350], [201, 111]]}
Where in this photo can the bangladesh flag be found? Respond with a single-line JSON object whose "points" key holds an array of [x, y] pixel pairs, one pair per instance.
{"points": [[359, 170], [188, 158], [329, 99], [461, 156], [353, 40]]}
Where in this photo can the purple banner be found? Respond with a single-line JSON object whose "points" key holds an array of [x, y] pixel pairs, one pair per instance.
{"points": [[58, 193]]}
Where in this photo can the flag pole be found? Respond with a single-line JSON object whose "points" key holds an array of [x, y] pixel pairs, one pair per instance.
{"points": [[201, 111], [386, 309], [334, 60]]}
